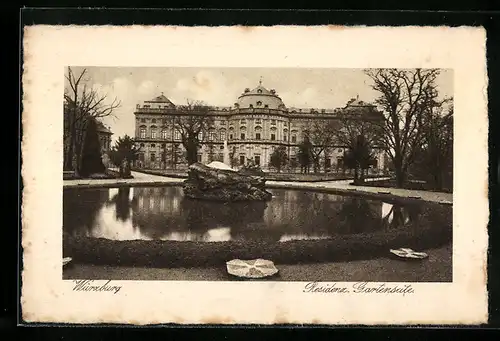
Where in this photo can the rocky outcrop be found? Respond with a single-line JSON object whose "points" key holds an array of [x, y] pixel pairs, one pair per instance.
{"points": [[223, 185]]}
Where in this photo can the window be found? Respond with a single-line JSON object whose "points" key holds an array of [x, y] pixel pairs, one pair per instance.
{"points": [[220, 157], [153, 133], [147, 106], [153, 145], [142, 145], [242, 159], [199, 157], [273, 122], [153, 120], [230, 136], [266, 106], [258, 121], [222, 135], [259, 91], [242, 136], [251, 105], [221, 147], [285, 138], [294, 138], [328, 163], [200, 136], [259, 103], [143, 132], [212, 135], [243, 121], [257, 159], [153, 157], [257, 136], [273, 137], [177, 135], [143, 120], [222, 123], [164, 134]]}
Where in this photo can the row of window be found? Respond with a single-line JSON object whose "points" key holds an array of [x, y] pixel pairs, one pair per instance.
{"points": [[257, 160], [222, 123], [213, 136]]}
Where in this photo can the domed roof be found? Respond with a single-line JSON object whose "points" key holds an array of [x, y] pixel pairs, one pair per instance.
{"points": [[260, 97]]}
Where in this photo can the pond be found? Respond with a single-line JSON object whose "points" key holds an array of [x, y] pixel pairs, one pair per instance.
{"points": [[162, 213]]}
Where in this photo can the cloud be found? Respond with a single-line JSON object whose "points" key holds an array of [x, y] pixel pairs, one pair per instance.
{"points": [[208, 86], [123, 90]]}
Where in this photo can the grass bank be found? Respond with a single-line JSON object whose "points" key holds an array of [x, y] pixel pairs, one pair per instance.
{"points": [[109, 174], [411, 185], [433, 230]]}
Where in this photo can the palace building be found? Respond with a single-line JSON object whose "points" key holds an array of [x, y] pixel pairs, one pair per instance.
{"points": [[253, 127]]}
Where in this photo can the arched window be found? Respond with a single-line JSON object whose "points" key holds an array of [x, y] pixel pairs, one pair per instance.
{"points": [[285, 135], [222, 134], [153, 145], [212, 135], [164, 134], [177, 135], [273, 134], [259, 103], [259, 91], [153, 132], [142, 132], [153, 120], [242, 128]]}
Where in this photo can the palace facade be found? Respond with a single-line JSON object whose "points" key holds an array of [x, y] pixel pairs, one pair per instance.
{"points": [[253, 127]]}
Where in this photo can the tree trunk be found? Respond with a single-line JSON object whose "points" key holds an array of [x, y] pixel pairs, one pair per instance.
{"points": [[191, 153], [69, 158], [400, 178], [400, 172], [355, 175]]}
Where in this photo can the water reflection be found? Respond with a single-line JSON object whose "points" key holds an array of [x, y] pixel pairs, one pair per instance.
{"points": [[162, 213]]}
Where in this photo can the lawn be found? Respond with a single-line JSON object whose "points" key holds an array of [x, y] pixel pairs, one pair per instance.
{"points": [[411, 185], [109, 174]]}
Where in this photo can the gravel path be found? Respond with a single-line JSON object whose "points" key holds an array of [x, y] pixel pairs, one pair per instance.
{"points": [[339, 186], [437, 268]]}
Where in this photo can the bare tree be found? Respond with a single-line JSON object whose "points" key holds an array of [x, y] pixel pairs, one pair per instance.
{"points": [[352, 127], [435, 156], [405, 96], [321, 134], [192, 121], [81, 103]]}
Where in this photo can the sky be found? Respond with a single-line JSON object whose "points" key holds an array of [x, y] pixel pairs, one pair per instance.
{"points": [[297, 87]]}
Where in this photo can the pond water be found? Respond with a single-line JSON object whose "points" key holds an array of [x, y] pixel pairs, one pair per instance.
{"points": [[162, 213]]}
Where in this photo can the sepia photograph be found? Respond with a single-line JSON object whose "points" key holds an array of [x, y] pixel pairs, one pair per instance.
{"points": [[289, 174], [340, 169]]}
